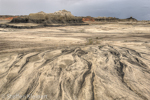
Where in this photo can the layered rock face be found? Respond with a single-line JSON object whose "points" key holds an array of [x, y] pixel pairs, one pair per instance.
{"points": [[61, 16], [37, 17]]}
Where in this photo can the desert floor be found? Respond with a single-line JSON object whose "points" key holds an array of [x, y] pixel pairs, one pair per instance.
{"points": [[100, 61]]}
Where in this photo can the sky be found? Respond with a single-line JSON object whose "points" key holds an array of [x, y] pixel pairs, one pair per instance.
{"points": [[138, 9]]}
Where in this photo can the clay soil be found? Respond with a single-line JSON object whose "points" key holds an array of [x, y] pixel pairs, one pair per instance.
{"points": [[99, 61]]}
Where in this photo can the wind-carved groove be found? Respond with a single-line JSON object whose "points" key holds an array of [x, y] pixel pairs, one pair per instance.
{"points": [[67, 51], [6, 73], [60, 91], [16, 77], [23, 66], [114, 52], [120, 70], [6, 85], [64, 52], [34, 83], [140, 63], [121, 73], [92, 82], [131, 51], [85, 75], [79, 52]]}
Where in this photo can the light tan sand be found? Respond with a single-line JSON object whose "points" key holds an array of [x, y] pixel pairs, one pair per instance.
{"points": [[95, 62]]}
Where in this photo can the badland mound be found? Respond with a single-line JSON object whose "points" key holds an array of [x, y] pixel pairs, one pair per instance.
{"points": [[61, 16]]}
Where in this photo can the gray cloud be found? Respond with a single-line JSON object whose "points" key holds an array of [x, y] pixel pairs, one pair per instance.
{"points": [[113, 8]]}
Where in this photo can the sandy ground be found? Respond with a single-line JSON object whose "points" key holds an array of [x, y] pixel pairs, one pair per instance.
{"points": [[91, 62], [13, 39]]}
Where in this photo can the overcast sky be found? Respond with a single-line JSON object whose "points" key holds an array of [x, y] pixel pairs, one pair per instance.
{"points": [[139, 9]]}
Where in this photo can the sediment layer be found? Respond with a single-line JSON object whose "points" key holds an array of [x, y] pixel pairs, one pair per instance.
{"points": [[102, 72]]}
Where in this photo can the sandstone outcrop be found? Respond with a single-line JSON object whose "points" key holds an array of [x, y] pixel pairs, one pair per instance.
{"points": [[37, 17], [60, 17]]}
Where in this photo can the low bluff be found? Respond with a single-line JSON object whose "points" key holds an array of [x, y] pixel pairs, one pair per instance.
{"points": [[113, 19], [56, 19], [108, 19], [60, 17], [63, 17]]}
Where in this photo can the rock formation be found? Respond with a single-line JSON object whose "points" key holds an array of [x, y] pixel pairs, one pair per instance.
{"points": [[20, 20], [37, 17], [131, 19], [88, 18], [63, 13], [61, 17], [109, 19], [64, 17], [113, 19]]}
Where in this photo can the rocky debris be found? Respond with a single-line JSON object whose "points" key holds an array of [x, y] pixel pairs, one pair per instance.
{"points": [[104, 72]]}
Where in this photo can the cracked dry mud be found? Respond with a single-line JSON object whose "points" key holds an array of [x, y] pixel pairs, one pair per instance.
{"points": [[100, 72]]}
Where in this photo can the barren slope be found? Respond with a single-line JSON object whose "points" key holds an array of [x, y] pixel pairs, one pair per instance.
{"points": [[100, 72], [115, 67]]}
